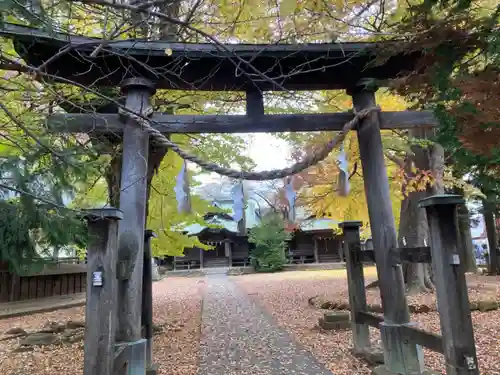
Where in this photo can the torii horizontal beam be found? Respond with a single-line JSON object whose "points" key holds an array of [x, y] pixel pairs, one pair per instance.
{"points": [[110, 123]]}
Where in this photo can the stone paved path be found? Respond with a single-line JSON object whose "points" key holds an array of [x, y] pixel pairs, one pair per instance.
{"points": [[240, 338]]}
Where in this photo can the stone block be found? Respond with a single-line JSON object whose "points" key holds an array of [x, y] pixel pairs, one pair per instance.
{"points": [[15, 331], [53, 327], [334, 325], [23, 349], [39, 339], [374, 356], [72, 335], [336, 316], [328, 305], [76, 338], [72, 324], [152, 370], [490, 305], [383, 370], [474, 305]]}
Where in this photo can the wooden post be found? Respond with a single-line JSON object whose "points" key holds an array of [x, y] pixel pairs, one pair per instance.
{"points": [[227, 252], [100, 312], [201, 258], [15, 289], [231, 247], [400, 357], [147, 301], [254, 102], [356, 285], [340, 251], [316, 255], [451, 287], [133, 204]]}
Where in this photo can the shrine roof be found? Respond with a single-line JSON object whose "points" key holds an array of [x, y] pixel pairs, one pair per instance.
{"points": [[188, 66], [318, 224]]}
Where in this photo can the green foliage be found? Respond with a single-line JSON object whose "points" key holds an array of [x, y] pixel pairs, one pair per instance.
{"points": [[29, 232], [269, 254], [38, 175], [33, 218]]}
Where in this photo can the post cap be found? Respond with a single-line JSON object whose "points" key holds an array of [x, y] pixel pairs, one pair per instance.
{"points": [[441, 199], [104, 213], [138, 84], [350, 224], [149, 233]]}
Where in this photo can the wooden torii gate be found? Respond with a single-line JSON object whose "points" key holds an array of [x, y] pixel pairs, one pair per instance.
{"points": [[141, 67]]}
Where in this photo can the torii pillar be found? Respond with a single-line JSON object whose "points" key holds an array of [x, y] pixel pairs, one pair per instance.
{"points": [[400, 357], [133, 192]]}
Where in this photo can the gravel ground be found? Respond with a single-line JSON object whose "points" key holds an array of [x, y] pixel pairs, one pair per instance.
{"points": [[239, 338], [286, 295], [177, 308], [238, 326]]}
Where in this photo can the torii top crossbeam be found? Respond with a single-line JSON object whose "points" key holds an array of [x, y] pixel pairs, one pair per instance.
{"points": [[187, 66]]}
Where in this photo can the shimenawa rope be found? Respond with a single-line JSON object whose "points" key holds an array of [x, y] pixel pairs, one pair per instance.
{"points": [[308, 161]]}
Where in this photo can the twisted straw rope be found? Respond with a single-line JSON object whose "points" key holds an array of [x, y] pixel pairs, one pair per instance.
{"points": [[308, 161]]}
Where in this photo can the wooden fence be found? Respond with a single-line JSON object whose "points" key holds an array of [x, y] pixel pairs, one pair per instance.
{"points": [[62, 277], [457, 340]]}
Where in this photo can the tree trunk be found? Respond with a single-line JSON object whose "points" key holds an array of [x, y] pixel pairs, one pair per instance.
{"points": [[465, 239], [413, 232], [413, 226], [113, 177], [489, 221]]}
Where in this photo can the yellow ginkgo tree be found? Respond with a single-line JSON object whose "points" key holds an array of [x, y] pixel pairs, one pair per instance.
{"points": [[317, 186]]}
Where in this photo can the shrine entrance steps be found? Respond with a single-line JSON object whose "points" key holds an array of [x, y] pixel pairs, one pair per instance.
{"points": [[238, 337], [216, 271], [246, 270], [215, 262]]}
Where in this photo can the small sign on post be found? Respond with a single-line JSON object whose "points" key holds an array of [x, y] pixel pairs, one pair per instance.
{"points": [[97, 278]]}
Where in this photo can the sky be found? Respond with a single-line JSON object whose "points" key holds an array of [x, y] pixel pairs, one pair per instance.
{"points": [[268, 152]]}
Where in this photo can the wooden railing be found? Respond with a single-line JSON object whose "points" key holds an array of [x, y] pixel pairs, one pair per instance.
{"points": [[301, 259], [241, 262], [67, 260]]}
